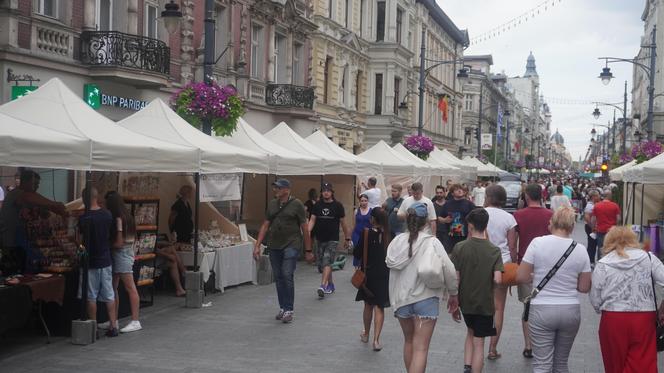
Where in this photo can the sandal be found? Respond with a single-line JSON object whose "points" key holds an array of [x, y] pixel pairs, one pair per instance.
{"points": [[493, 355], [528, 353], [364, 338], [377, 346]]}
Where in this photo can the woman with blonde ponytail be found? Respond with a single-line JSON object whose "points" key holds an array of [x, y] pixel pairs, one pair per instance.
{"points": [[416, 305]]}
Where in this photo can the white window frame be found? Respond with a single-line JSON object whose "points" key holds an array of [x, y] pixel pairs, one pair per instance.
{"points": [[298, 64], [98, 14], [149, 4], [257, 69], [40, 9]]}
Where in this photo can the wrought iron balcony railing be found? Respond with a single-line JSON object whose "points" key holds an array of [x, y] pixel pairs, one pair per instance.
{"points": [[288, 95], [112, 48]]}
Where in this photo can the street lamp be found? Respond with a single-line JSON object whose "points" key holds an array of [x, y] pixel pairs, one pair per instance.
{"points": [[171, 16], [596, 113], [650, 71]]}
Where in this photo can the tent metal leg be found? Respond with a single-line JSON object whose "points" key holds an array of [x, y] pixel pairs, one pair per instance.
{"points": [[633, 202], [197, 181], [244, 176], [643, 189]]}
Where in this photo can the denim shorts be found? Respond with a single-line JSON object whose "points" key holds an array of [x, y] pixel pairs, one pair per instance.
{"points": [[123, 260], [425, 309], [100, 285]]}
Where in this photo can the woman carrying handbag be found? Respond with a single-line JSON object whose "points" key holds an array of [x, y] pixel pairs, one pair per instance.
{"points": [[623, 291], [374, 289]]}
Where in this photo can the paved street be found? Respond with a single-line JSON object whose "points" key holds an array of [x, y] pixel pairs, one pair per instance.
{"points": [[239, 334]]}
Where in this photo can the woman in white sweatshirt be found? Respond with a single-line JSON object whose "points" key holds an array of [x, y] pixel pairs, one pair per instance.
{"points": [[622, 289], [416, 304]]}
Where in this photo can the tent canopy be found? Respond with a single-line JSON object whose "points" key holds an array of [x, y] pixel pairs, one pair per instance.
{"points": [[434, 169], [282, 161], [468, 172], [648, 172], [617, 173], [330, 162], [482, 169], [158, 120], [55, 107], [363, 166], [24, 144], [393, 163]]}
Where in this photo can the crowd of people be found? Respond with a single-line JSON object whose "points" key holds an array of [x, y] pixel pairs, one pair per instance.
{"points": [[416, 252]]}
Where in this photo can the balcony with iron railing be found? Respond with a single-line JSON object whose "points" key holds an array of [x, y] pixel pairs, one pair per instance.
{"points": [[124, 55], [289, 96]]}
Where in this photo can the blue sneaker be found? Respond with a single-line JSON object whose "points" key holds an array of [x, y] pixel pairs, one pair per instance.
{"points": [[329, 289], [321, 292]]}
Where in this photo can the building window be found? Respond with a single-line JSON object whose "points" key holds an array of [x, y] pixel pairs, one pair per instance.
{"points": [[151, 25], [358, 90], [342, 87], [362, 5], [469, 102], [221, 37], [378, 103], [257, 49], [347, 14], [104, 15], [330, 9], [280, 56], [298, 61], [326, 79], [397, 94], [48, 8], [380, 21], [399, 24]]}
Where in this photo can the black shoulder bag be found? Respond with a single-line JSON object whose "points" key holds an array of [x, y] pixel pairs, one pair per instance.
{"points": [[545, 280], [659, 328]]}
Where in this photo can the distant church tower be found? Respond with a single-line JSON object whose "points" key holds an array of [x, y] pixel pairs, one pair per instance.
{"points": [[531, 69]]}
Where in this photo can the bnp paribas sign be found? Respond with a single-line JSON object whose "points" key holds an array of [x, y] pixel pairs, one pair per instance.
{"points": [[93, 95]]}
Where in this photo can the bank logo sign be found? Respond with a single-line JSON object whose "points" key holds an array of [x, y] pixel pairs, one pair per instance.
{"points": [[21, 90], [94, 97]]}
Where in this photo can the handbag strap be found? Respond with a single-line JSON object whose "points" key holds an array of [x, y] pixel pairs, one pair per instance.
{"points": [[553, 270], [652, 279], [274, 216], [365, 249]]}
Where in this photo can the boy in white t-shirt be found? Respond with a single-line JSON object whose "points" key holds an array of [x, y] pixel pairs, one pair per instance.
{"points": [[417, 190], [372, 193]]}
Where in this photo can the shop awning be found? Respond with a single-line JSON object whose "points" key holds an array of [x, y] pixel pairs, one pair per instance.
{"points": [[55, 107], [159, 121], [27, 145], [393, 163], [362, 166], [330, 162], [617, 173], [282, 161], [468, 172], [435, 170]]}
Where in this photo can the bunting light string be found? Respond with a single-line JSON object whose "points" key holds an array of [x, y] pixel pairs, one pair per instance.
{"points": [[514, 23]]}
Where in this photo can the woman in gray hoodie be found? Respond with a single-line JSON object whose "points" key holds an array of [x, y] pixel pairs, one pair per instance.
{"points": [[622, 289], [416, 304]]}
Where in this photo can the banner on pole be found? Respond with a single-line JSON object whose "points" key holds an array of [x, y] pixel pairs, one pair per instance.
{"points": [[487, 141], [220, 187]]}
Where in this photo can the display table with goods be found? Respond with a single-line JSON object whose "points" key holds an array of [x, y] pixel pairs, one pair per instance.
{"points": [[226, 255], [145, 210]]}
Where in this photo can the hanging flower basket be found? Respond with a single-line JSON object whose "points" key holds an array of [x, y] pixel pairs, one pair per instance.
{"points": [[421, 146], [221, 105], [520, 163], [646, 150]]}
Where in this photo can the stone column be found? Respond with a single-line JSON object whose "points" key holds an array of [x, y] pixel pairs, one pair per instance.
{"points": [[89, 15], [132, 17], [270, 52], [9, 31]]}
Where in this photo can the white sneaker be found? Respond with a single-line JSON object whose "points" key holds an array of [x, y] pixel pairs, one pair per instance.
{"points": [[104, 325], [133, 326]]}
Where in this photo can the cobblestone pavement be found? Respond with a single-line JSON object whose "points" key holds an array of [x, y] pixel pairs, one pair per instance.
{"points": [[239, 334]]}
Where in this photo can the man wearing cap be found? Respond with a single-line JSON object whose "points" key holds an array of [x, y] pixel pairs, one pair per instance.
{"points": [[284, 229], [326, 216]]}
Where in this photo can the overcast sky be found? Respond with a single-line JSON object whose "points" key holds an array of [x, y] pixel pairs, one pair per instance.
{"points": [[566, 41]]}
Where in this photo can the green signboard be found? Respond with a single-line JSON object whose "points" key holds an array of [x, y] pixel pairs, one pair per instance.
{"points": [[21, 90], [92, 95]]}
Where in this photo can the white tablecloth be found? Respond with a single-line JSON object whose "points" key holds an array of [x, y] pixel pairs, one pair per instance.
{"points": [[232, 265], [235, 265]]}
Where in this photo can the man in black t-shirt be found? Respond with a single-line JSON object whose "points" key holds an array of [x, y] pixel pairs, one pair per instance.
{"points": [[453, 214], [325, 219], [95, 230]]}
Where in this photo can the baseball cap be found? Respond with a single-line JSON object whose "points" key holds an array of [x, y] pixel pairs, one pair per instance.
{"points": [[421, 210], [281, 183], [326, 186]]}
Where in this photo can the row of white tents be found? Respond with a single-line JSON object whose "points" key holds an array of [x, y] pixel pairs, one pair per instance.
{"points": [[53, 127], [643, 196]]}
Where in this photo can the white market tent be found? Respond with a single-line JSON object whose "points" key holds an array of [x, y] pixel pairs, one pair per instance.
{"points": [[282, 161], [330, 162], [392, 162], [468, 172], [362, 166], [24, 144], [435, 170], [55, 107], [482, 169], [648, 172], [617, 173], [159, 121]]}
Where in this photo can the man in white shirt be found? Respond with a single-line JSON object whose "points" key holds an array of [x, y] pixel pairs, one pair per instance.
{"points": [[417, 196], [372, 193], [478, 194]]}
